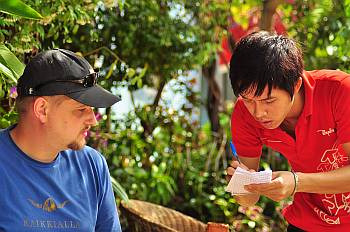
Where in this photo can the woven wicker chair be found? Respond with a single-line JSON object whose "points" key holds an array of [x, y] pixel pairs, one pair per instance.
{"points": [[148, 217]]}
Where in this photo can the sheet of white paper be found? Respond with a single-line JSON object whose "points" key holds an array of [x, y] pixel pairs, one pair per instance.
{"points": [[242, 177]]}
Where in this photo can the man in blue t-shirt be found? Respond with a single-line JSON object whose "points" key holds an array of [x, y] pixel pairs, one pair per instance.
{"points": [[51, 181]]}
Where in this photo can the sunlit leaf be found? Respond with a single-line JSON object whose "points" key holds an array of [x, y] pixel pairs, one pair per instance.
{"points": [[111, 69], [18, 8], [9, 64], [119, 190]]}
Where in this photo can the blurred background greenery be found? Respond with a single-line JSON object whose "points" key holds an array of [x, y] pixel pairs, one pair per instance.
{"points": [[156, 152]]}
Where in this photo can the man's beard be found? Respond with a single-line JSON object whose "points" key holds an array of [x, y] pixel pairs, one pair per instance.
{"points": [[77, 145]]}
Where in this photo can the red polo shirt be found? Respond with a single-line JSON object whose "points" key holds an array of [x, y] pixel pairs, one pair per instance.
{"points": [[322, 127]]}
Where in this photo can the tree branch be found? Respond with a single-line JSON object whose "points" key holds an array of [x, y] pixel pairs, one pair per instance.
{"points": [[159, 93], [269, 9]]}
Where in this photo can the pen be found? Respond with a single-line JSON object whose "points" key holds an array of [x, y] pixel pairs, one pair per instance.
{"points": [[234, 152]]}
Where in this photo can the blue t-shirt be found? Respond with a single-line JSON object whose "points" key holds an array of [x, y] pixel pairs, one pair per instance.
{"points": [[72, 193]]}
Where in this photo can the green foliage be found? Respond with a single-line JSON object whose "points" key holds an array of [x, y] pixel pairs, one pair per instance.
{"points": [[241, 10], [10, 67], [61, 20], [18, 8], [322, 27], [7, 118], [167, 37]]}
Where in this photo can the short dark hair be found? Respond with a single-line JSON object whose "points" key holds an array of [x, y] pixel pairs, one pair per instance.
{"points": [[263, 58], [23, 102]]}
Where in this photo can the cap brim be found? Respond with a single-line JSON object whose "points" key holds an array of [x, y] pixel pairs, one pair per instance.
{"points": [[95, 96]]}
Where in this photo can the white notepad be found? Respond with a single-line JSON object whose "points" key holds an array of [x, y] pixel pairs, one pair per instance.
{"points": [[242, 177]]}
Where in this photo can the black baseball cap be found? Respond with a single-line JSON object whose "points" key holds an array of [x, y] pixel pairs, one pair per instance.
{"points": [[62, 72]]}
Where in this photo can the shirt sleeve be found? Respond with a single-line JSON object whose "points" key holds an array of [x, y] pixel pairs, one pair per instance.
{"points": [[341, 110], [245, 136], [107, 216]]}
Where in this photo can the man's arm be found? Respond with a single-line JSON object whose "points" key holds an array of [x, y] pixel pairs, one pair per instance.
{"points": [[282, 185], [107, 216], [335, 181], [250, 164]]}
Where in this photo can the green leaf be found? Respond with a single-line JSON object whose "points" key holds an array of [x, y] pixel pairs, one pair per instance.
{"points": [[17, 7], [10, 65], [7, 72], [139, 83], [119, 190], [144, 70], [111, 69], [347, 8], [121, 4], [130, 72]]}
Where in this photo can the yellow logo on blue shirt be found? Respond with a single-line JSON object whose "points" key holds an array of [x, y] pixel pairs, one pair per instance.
{"points": [[49, 204]]}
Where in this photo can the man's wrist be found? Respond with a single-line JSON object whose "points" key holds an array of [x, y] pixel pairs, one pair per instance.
{"points": [[300, 181], [296, 182]]}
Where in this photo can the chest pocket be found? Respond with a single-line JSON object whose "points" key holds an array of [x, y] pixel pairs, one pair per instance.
{"points": [[279, 141]]}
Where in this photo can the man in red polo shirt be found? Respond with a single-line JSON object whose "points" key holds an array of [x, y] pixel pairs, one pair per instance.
{"points": [[304, 115]]}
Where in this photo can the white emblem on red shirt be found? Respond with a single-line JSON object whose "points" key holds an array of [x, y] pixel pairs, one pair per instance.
{"points": [[332, 159], [327, 132]]}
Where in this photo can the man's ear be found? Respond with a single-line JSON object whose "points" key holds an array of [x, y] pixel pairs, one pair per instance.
{"points": [[298, 85], [40, 109]]}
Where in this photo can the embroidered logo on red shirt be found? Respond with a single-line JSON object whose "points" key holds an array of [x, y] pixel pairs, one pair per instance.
{"points": [[327, 132]]}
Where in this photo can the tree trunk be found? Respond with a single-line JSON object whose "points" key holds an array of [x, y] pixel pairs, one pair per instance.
{"points": [[213, 100], [159, 93], [108, 121], [269, 9]]}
